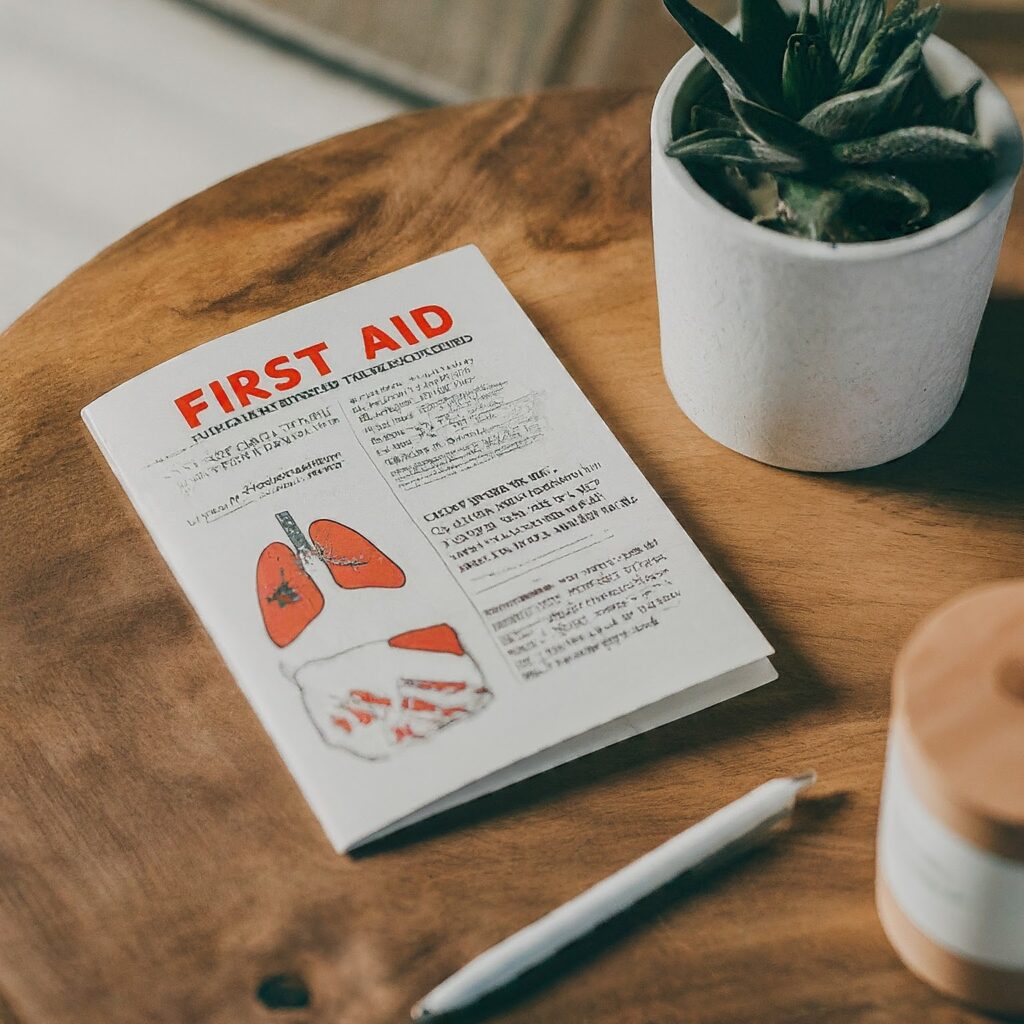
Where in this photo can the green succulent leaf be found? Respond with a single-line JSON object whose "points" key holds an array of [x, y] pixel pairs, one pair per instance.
{"points": [[880, 187], [949, 187], [847, 25], [925, 21], [904, 26], [764, 29], [715, 96], [878, 205], [718, 148], [676, 146], [779, 131], [729, 185], [763, 22], [922, 102], [829, 125], [921, 144], [854, 115], [958, 111], [723, 51], [807, 209], [702, 118], [906, 63], [856, 206], [901, 13], [809, 73]]}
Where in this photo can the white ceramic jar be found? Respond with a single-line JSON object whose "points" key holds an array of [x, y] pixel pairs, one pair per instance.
{"points": [[814, 356], [949, 885]]}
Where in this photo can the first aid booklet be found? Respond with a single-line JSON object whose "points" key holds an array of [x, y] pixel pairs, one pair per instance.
{"points": [[425, 559]]}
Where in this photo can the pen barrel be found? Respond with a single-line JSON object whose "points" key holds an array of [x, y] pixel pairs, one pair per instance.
{"points": [[728, 830]]}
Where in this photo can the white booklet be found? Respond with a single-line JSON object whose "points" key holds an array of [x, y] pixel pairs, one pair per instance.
{"points": [[424, 557]]}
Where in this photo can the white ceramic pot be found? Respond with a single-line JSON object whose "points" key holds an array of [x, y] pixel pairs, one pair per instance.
{"points": [[814, 356]]}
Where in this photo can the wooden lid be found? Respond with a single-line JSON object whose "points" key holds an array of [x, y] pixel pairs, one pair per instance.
{"points": [[958, 695]]}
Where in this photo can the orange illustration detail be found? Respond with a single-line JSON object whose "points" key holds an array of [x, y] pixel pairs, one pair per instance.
{"points": [[442, 639], [289, 599], [427, 684], [353, 561]]}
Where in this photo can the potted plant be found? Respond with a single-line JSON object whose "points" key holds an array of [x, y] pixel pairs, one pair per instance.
{"points": [[830, 190]]}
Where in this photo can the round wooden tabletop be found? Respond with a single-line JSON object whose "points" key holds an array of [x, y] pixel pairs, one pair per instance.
{"points": [[157, 863]]}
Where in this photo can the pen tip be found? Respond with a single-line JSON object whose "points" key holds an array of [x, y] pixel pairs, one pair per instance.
{"points": [[805, 779], [419, 1013]]}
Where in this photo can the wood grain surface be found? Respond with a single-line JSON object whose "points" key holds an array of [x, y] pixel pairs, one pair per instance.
{"points": [[157, 862]]}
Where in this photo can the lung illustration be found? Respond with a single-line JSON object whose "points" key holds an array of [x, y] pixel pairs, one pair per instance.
{"points": [[353, 561], [289, 597]]}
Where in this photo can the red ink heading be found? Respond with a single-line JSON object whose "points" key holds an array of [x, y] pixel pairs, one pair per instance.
{"points": [[284, 372]]}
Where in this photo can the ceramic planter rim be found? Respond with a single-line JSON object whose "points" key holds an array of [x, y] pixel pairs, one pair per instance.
{"points": [[1006, 134]]}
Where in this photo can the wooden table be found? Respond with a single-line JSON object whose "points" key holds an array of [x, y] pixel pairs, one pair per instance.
{"points": [[157, 862]]}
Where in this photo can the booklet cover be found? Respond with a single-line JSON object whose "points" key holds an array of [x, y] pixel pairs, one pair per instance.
{"points": [[424, 557]]}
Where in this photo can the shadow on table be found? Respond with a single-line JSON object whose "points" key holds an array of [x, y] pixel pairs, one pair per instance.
{"points": [[976, 462], [811, 814], [761, 711]]}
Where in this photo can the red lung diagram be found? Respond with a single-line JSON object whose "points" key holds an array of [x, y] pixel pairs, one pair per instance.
{"points": [[289, 598], [353, 561], [381, 697]]}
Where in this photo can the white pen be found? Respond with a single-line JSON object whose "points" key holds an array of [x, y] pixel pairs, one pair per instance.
{"points": [[735, 827]]}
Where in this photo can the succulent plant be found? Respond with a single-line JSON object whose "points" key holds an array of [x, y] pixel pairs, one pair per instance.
{"points": [[828, 125]]}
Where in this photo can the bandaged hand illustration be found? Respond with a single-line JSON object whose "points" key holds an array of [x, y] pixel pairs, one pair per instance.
{"points": [[388, 694]]}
